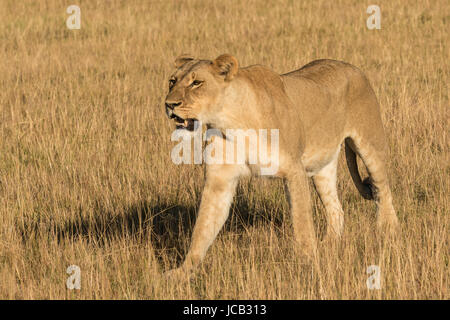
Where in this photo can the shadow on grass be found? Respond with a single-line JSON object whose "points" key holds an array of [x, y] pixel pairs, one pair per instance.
{"points": [[167, 227]]}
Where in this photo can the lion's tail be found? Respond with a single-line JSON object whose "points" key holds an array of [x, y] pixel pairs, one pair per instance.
{"points": [[364, 187]]}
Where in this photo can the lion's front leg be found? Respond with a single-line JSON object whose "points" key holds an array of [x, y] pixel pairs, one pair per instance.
{"points": [[301, 212], [220, 185]]}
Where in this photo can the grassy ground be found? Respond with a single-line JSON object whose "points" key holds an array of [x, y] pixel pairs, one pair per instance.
{"points": [[86, 177]]}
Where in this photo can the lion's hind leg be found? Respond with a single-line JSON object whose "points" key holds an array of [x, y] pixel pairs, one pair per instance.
{"points": [[325, 183], [372, 155]]}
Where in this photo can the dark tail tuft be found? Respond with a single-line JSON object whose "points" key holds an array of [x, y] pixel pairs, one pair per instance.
{"points": [[365, 187]]}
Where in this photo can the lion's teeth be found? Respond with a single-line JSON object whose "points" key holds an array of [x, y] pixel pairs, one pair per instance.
{"points": [[185, 123]]}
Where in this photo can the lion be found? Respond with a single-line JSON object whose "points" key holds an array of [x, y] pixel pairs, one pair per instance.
{"points": [[315, 109]]}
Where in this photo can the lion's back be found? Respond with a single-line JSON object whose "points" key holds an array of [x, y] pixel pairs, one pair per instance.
{"points": [[331, 74]]}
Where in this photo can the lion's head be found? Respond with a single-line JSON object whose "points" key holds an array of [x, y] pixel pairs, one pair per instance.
{"points": [[196, 87]]}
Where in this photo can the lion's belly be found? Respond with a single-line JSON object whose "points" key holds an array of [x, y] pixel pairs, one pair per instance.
{"points": [[314, 161], [321, 148]]}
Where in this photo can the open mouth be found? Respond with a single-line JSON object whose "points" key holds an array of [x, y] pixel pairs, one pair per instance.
{"points": [[188, 124]]}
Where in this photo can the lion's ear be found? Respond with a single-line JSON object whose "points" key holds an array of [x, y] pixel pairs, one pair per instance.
{"points": [[181, 60], [226, 65]]}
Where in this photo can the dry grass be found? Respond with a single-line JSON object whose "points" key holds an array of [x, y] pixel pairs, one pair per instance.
{"points": [[85, 170]]}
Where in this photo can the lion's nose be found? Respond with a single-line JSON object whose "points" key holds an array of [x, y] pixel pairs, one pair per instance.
{"points": [[173, 105], [169, 113], [169, 108]]}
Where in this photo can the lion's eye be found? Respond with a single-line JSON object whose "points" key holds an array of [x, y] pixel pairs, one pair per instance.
{"points": [[196, 83], [172, 82]]}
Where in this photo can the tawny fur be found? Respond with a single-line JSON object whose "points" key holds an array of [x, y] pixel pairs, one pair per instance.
{"points": [[315, 108]]}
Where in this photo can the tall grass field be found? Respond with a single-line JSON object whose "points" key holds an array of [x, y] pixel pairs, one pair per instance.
{"points": [[86, 176]]}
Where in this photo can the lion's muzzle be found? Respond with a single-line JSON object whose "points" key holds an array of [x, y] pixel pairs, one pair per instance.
{"points": [[180, 123]]}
